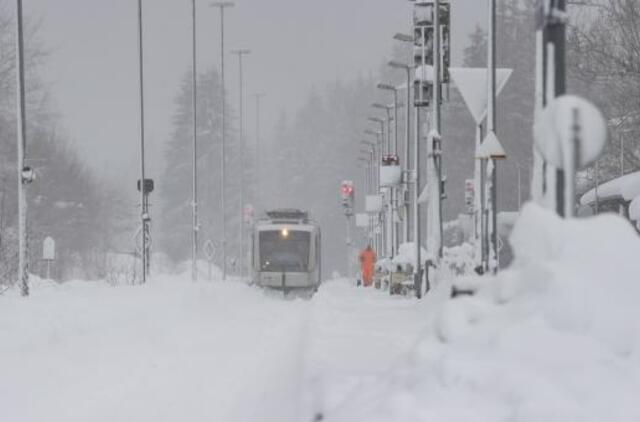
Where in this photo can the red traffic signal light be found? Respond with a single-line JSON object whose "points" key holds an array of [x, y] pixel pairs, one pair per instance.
{"points": [[347, 190]]}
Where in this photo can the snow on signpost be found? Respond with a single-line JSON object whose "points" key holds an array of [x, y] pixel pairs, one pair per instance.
{"points": [[570, 133]]}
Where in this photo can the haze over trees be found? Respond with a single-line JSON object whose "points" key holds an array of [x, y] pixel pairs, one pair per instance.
{"points": [[66, 202], [175, 184], [604, 62]]}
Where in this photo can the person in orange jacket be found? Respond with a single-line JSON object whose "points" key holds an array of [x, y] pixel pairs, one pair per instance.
{"points": [[367, 263]]}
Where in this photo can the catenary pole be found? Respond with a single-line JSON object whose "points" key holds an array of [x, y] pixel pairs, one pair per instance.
{"points": [[143, 202], [407, 144], [437, 140], [222, 6], [194, 181], [258, 97], [241, 54], [491, 128], [23, 266], [417, 270]]}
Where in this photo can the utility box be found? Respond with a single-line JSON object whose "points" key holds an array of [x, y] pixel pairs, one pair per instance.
{"points": [[390, 176], [390, 171]]}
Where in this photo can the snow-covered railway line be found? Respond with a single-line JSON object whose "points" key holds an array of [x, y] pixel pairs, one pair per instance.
{"points": [[354, 337], [173, 350], [167, 351]]}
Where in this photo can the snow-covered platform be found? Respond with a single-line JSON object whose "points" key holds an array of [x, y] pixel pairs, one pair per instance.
{"points": [[554, 338]]}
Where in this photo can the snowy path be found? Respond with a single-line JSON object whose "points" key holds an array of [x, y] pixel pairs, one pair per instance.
{"points": [[178, 351], [356, 335]]}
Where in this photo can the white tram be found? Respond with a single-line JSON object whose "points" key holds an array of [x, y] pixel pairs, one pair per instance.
{"points": [[286, 251]]}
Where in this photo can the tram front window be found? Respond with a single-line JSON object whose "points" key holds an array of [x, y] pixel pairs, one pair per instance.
{"points": [[284, 250]]}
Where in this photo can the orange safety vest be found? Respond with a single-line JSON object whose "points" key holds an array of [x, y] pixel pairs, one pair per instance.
{"points": [[367, 264]]}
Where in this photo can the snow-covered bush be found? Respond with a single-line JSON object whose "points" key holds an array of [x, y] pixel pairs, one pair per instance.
{"points": [[554, 338]]}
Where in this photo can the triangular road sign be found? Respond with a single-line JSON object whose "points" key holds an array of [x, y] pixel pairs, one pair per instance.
{"points": [[424, 195], [491, 148], [472, 83]]}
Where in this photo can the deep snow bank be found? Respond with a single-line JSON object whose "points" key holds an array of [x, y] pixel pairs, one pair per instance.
{"points": [[171, 350], [555, 338]]}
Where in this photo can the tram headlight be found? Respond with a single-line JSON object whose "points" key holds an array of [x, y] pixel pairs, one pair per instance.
{"points": [[284, 233]]}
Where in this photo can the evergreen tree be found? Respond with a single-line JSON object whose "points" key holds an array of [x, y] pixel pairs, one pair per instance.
{"points": [[175, 185]]}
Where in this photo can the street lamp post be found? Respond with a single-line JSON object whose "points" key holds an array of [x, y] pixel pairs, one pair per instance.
{"points": [[222, 6], [491, 148], [387, 233], [392, 191], [407, 68], [370, 181], [24, 173], [144, 212], [258, 97], [375, 169], [389, 87], [241, 53], [436, 140], [415, 172], [194, 181], [381, 122], [387, 109], [395, 192]]}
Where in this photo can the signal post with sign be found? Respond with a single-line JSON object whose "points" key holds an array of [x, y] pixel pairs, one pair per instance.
{"points": [[347, 195], [145, 247]]}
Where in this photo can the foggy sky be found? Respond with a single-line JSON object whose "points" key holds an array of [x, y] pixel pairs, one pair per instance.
{"points": [[296, 45]]}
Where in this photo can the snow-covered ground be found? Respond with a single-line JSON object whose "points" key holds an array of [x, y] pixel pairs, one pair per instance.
{"points": [[175, 350], [555, 338], [168, 351]]}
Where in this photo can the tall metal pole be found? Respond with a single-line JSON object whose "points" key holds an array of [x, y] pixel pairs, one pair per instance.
{"points": [[395, 191], [407, 144], [621, 155], [491, 127], [194, 182], [417, 270], [519, 185], [481, 203], [223, 165], [143, 202], [376, 172], [258, 97], [23, 265], [391, 216], [241, 54], [597, 186], [395, 119], [437, 143], [374, 191], [389, 146], [547, 181], [622, 206]]}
